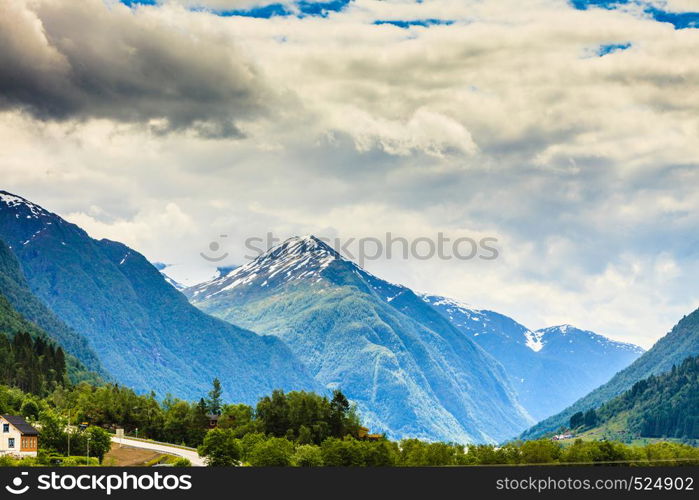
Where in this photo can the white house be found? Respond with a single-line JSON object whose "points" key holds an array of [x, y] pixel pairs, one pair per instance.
{"points": [[17, 437]]}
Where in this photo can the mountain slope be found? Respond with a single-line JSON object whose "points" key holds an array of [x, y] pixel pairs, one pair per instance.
{"points": [[410, 372], [145, 332], [13, 323], [550, 368], [660, 406], [672, 349], [14, 288]]}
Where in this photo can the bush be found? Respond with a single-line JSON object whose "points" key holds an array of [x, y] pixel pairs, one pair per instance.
{"points": [[307, 455], [342, 453], [274, 452], [541, 451]]}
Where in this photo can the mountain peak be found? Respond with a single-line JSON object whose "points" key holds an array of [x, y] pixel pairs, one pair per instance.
{"points": [[566, 333], [22, 206], [294, 254], [561, 329], [300, 245], [300, 258]]}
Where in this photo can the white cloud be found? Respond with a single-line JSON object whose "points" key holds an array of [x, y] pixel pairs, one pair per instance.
{"points": [[501, 123]]}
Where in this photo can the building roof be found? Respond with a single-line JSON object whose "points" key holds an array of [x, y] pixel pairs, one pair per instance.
{"points": [[21, 425]]}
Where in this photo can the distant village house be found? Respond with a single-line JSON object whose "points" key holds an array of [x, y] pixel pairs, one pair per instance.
{"points": [[18, 438]]}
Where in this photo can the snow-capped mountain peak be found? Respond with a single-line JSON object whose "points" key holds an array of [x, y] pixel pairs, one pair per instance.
{"points": [[297, 259], [572, 334], [23, 208]]}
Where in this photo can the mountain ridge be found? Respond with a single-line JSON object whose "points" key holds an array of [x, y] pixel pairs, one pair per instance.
{"points": [[145, 332], [682, 341], [351, 329], [549, 368]]}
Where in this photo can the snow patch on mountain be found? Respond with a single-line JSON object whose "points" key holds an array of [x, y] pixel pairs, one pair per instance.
{"points": [[13, 201], [296, 259], [534, 341], [578, 335]]}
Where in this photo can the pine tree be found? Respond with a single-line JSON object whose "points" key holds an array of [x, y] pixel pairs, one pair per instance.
{"points": [[214, 401]]}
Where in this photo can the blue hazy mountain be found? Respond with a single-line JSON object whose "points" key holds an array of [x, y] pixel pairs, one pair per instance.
{"points": [[15, 289], [550, 368], [409, 370], [22, 312], [145, 332], [681, 342]]}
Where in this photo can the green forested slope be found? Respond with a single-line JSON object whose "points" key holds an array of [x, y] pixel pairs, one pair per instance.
{"points": [[681, 342], [14, 288], [660, 406]]}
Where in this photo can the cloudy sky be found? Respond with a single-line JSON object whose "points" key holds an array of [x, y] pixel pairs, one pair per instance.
{"points": [[569, 131]]}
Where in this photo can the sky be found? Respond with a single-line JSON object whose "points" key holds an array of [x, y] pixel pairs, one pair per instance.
{"points": [[567, 131]]}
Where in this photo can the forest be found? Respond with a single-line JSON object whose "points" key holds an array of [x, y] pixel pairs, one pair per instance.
{"points": [[660, 406], [284, 429]]}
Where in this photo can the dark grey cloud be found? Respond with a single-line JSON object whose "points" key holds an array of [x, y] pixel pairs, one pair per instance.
{"points": [[82, 60]]}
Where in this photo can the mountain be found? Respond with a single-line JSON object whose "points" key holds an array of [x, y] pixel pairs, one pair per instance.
{"points": [[660, 406], [595, 355], [410, 372], [672, 349], [15, 289], [145, 332], [550, 368]]}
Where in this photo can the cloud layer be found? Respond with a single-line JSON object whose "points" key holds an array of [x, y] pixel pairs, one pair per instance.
{"points": [[85, 60], [166, 127]]}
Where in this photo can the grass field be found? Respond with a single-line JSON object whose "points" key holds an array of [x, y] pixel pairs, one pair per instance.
{"points": [[126, 456]]}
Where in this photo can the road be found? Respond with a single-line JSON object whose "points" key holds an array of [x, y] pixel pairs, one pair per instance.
{"points": [[191, 455]]}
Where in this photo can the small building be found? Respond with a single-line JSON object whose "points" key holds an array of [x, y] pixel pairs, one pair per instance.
{"points": [[561, 437], [213, 420], [363, 434], [17, 437]]}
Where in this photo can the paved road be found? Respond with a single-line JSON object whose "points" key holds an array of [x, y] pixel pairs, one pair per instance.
{"points": [[191, 455]]}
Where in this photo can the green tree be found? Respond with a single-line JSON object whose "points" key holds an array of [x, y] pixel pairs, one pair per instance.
{"points": [[274, 452], [273, 413], [214, 401], [240, 419], [53, 432], [342, 453], [541, 451], [591, 418], [380, 453], [220, 448], [339, 410], [307, 455], [99, 441], [30, 409], [577, 420]]}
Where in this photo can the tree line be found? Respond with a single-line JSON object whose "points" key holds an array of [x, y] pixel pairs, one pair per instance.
{"points": [[660, 406], [35, 365], [283, 429]]}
